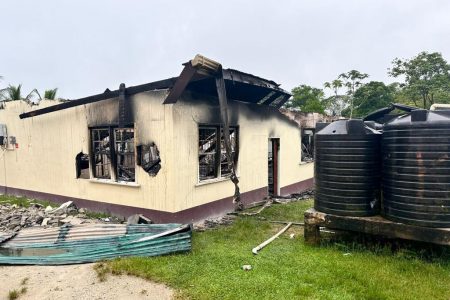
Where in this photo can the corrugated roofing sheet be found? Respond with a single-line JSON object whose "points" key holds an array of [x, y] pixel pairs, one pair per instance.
{"points": [[90, 243]]}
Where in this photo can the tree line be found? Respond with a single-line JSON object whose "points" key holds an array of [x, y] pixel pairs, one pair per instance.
{"points": [[424, 80], [15, 92]]}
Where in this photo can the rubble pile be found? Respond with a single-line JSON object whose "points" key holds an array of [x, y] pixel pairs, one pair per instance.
{"points": [[14, 217], [307, 194], [214, 222]]}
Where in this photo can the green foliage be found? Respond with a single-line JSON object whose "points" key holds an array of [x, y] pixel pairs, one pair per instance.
{"points": [[426, 77], [13, 92], [50, 94], [306, 99], [340, 104], [23, 202], [335, 104], [370, 97], [287, 268], [14, 294]]}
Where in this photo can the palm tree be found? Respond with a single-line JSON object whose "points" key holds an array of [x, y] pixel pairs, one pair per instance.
{"points": [[15, 93], [50, 94]]}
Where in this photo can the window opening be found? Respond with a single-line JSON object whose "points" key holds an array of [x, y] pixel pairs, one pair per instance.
{"points": [[102, 153], [124, 148]]}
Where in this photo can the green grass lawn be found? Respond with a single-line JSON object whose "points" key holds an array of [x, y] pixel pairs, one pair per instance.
{"points": [[289, 269]]}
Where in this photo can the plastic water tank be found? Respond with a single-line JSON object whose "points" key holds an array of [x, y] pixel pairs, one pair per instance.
{"points": [[416, 169], [347, 169]]}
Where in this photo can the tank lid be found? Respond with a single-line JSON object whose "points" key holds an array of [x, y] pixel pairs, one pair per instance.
{"points": [[421, 116], [347, 127]]}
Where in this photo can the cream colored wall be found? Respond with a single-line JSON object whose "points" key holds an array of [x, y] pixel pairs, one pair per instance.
{"points": [[48, 144], [256, 125]]}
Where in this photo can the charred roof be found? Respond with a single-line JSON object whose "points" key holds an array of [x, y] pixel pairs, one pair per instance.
{"points": [[240, 86]]}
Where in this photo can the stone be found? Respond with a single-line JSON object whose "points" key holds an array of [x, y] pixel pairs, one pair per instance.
{"points": [[48, 209], [45, 221], [246, 267], [82, 210], [62, 208], [138, 219], [72, 220]]}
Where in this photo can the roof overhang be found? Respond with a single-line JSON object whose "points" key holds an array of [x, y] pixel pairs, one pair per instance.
{"points": [[197, 75]]}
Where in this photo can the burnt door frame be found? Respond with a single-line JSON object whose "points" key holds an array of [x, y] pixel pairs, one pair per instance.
{"points": [[275, 144]]}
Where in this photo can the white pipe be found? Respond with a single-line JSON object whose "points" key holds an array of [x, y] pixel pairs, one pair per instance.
{"points": [[262, 245], [436, 106]]}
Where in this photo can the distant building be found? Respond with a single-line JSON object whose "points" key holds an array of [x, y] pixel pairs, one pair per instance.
{"points": [[307, 122]]}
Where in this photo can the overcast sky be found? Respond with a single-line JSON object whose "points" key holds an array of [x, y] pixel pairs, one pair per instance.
{"points": [[85, 46]]}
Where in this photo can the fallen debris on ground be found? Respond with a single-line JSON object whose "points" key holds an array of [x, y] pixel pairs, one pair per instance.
{"points": [[72, 244], [13, 217]]}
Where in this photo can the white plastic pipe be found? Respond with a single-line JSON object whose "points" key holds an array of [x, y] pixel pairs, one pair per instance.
{"points": [[262, 245], [437, 106]]}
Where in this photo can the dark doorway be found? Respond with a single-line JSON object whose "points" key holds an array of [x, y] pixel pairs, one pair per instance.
{"points": [[273, 163]]}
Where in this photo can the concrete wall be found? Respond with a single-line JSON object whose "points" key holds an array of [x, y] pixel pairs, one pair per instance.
{"points": [[44, 161], [257, 124]]}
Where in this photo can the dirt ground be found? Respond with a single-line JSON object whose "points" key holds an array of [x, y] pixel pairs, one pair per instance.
{"points": [[76, 282]]}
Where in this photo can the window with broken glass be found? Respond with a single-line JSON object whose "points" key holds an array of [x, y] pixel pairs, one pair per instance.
{"points": [[125, 165], [113, 154], [307, 144], [213, 161], [101, 147]]}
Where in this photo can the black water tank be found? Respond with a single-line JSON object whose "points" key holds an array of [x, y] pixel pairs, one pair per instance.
{"points": [[347, 169], [416, 169]]}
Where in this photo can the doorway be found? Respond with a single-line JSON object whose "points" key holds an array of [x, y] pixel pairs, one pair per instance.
{"points": [[273, 163]]}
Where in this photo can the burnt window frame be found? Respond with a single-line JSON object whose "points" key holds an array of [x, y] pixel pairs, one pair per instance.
{"points": [[303, 158], [125, 154], [218, 151], [92, 153], [113, 155]]}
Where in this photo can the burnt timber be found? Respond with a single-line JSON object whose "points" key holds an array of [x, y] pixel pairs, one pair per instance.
{"points": [[375, 225]]}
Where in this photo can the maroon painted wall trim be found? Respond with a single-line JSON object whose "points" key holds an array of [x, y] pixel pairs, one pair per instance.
{"points": [[189, 215]]}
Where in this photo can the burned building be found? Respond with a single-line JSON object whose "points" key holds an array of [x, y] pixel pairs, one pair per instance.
{"points": [[159, 148]]}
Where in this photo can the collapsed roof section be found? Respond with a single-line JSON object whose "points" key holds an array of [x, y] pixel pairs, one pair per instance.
{"points": [[198, 75]]}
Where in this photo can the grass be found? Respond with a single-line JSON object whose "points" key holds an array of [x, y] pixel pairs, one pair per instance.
{"points": [[289, 269], [14, 294], [24, 202]]}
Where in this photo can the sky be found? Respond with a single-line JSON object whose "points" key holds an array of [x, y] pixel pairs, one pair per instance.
{"points": [[83, 47]]}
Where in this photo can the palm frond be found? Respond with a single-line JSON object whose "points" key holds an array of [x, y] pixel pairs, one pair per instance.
{"points": [[50, 94]]}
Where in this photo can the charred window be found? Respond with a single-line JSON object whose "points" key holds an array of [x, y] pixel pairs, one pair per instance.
{"points": [[124, 150], [307, 144], [148, 158], [213, 162], [113, 154], [101, 146], [224, 171], [207, 152], [82, 165]]}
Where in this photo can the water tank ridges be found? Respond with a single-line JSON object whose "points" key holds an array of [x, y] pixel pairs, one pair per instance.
{"points": [[416, 169], [347, 169]]}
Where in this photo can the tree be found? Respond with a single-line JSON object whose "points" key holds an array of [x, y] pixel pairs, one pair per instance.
{"points": [[352, 80], [372, 96], [50, 94], [426, 76], [335, 104], [15, 93], [306, 99]]}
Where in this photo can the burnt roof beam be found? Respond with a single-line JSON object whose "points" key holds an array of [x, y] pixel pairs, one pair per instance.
{"points": [[162, 84]]}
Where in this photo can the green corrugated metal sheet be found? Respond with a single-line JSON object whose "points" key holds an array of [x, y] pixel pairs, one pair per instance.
{"points": [[90, 243]]}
